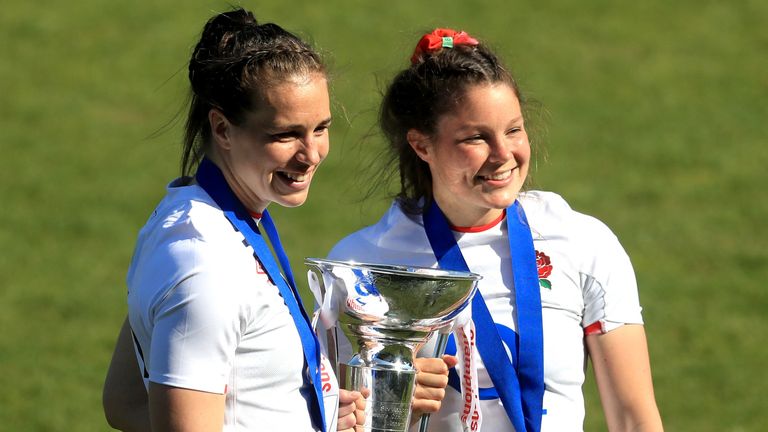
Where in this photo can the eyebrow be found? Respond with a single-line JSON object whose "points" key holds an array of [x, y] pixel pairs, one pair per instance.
{"points": [[325, 122], [474, 126]]}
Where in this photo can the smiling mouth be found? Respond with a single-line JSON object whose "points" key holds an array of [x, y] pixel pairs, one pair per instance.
{"points": [[293, 177], [497, 176]]}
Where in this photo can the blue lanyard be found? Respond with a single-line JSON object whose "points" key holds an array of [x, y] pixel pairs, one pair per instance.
{"points": [[210, 178], [520, 387]]}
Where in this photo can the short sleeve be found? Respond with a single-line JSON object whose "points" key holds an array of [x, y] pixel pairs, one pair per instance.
{"points": [[608, 282], [197, 327]]}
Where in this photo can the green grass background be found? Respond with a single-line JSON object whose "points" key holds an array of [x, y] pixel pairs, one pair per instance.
{"points": [[655, 116]]}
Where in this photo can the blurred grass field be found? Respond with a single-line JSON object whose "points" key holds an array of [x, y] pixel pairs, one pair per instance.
{"points": [[655, 123]]}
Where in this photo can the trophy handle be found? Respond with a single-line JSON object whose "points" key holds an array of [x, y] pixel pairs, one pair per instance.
{"points": [[333, 349], [442, 342], [331, 338]]}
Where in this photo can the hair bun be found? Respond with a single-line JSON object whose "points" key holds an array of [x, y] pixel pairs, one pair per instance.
{"points": [[235, 20]]}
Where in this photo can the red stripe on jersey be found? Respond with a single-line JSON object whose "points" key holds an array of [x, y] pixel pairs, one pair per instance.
{"points": [[254, 214], [594, 329], [481, 228], [259, 269]]}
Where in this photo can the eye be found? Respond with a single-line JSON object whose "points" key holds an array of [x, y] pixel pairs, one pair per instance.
{"points": [[283, 136], [322, 129], [514, 130], [473, 139]]}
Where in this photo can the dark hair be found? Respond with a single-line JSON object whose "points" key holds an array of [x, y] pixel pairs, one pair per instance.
{"points": [[419, 95], [235, 59]]}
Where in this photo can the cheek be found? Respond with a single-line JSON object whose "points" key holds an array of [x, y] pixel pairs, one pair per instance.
{"points": [[248, 152], [458, 165], [523, 150], [472, 158], [279, 154], [324, 148]]}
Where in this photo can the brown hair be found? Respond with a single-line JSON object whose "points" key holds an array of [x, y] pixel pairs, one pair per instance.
{"points": [[236, 58]]}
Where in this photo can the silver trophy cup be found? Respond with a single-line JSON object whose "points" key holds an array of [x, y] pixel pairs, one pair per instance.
{"points": [[388, 312]]}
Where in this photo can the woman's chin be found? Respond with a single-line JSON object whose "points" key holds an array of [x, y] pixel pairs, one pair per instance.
{"points": [[290, 200]]}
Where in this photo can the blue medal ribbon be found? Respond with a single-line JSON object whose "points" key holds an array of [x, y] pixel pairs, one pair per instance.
{"points": [[210, 178], [520, 386]]}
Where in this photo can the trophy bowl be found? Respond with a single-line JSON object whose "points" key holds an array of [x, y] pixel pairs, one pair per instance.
{"points": [[388, 312]]}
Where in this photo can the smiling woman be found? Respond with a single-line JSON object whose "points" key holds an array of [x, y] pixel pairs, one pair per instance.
{"points": [[273, 156], [479, 154], [216, 320], [557, 288]]}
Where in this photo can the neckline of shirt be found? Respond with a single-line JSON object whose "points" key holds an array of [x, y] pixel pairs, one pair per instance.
{"points": [[481, 228]]}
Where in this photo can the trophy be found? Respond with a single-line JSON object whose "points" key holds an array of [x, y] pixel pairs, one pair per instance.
{"points": [[387, 312]]}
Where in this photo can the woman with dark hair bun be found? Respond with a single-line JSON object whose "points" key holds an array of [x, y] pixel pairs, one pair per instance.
{"points": [[216, 321], [557, 286]]}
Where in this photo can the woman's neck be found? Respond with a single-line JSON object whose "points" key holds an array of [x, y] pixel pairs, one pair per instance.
{"points": [[480, 228], [466, 218], [251, 202]]}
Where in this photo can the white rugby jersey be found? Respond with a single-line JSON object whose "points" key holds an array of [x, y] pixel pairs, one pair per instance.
{"points": [[586, 281], [207, 317]]}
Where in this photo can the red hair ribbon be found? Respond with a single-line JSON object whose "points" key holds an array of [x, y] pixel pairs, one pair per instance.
{"points": [[439, 39]]}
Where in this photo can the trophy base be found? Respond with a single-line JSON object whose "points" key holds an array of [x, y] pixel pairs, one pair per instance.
{"points": [[389, 393]]}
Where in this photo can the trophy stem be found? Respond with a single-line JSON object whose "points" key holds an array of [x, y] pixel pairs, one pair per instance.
{"points": [[388, 395]]}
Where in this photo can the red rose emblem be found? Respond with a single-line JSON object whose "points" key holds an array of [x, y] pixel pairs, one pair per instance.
{"points": [[544, 266]]}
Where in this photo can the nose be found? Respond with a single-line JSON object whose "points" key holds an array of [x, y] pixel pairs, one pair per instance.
{"points": [[310, 151], [500, 149]]}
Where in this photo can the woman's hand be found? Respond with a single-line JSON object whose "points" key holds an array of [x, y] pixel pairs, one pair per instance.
{"points": [[431, 380], [351, 411]]}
